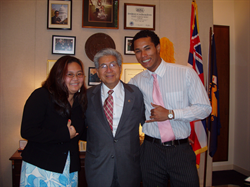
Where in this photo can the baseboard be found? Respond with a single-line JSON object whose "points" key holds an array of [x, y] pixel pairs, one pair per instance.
{"points": [[231, 167], [223, 167], [242, 171]]}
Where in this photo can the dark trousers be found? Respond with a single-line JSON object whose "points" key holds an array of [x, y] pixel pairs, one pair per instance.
{"points": [[175, 163]]}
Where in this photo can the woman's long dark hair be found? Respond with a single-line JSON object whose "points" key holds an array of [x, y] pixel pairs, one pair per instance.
{"points": [[56, 85]]}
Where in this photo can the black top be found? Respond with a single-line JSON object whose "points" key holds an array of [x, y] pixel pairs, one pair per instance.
{"points": [[48, 135]]}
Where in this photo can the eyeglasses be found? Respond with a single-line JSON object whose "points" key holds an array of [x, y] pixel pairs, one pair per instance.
{"points": [[112, 65], [78, 75]]}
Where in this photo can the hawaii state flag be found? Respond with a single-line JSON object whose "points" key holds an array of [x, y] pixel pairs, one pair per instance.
{"points": [[214, 124], [198, 133]]}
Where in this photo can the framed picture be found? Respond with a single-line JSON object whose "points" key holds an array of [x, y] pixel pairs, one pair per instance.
{"points": [[139, 16], [127, 45], [93, 78], [59, 14], [129, 70], [63, 45], [82, 146], [103, 14], [50, 64]]}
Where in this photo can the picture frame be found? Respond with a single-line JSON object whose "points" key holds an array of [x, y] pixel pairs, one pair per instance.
{"points": [[82, 145], [127, 45], [93, 78], [129, 70], [63, 45], [96, 14], [139, 16], [59, 14], [50, 64]]}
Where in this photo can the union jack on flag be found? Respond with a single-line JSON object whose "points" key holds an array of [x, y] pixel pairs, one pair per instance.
{"points": [[198, 132]]}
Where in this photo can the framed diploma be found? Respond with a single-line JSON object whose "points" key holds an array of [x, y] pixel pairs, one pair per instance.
{"points": [[129, 70], [139, 16]]}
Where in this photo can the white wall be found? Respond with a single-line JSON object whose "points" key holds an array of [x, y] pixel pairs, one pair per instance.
{"points": [[235, 13], [242, 86], [25, 47], [223, 13]]}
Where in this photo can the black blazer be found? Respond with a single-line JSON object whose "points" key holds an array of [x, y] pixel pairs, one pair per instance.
{"points": [[48, 135], [104, 150]]}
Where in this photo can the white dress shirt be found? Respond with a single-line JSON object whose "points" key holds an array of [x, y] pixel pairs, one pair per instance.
{"points": [[182, 92], [118, 101]]}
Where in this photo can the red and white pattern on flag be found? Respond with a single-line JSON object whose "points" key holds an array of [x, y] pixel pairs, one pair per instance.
{"points": [[198, 132], [108, 108], [195, 56]]}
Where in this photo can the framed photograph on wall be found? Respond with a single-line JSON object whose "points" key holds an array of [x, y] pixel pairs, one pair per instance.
{"points": [[63, 45], [139, 16], [59, 14], [93, 78], [127, 45], [102, 14]]}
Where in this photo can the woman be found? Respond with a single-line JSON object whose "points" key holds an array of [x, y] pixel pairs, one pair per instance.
{"points": [[53, 122]]}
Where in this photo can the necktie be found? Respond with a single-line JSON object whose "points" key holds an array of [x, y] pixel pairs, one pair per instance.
{"points": [[108, 108], [165, 128]]}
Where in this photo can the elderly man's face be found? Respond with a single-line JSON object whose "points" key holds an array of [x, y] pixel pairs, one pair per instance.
{"points": [[109, 71]]}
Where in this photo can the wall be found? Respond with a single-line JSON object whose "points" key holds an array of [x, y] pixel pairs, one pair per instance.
{"points": [[223, 14], [25, 45], [242, 87], [235, 13]]}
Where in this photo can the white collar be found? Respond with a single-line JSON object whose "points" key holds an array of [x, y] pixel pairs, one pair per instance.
{"points": [[117, 89], [161, 69]]}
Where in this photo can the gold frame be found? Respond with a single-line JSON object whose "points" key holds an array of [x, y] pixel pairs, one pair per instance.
{"points": [[129, 70], [50, 64]]}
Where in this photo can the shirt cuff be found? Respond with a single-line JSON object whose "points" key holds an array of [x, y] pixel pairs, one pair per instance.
{"points": [[178, 113]]}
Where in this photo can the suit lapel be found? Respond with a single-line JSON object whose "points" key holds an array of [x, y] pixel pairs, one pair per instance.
{"points": [[127, 106], [97, 102]]}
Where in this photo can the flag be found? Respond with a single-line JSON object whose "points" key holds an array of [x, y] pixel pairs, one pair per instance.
{"points": [[198, 133], [214, 124]]}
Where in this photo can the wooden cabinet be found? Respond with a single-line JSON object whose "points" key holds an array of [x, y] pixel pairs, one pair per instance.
{"points": [[16, 159], [16, 168], [81, 174]]}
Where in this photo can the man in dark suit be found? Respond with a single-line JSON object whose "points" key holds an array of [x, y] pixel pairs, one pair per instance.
{"points": [[112, 157], [56, 19]]}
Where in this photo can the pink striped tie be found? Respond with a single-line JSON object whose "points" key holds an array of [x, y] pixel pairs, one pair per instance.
{"points": [[108, 108], [165, 128]]}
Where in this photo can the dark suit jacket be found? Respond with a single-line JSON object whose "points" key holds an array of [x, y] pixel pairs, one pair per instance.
{"points": [[104, 150]]}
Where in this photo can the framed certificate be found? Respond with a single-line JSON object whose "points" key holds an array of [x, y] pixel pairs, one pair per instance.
{"points": [[139, 16], [129, 70]]}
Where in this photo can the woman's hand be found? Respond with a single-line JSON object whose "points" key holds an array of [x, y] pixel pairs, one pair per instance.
{"points": [[72, 130]]}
